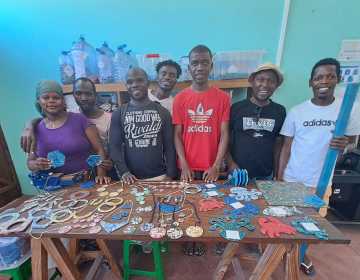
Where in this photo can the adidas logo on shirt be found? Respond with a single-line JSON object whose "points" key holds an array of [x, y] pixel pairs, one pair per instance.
{"points": [[320, 122]]}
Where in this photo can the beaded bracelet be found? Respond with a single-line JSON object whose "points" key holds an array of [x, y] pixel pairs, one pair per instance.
{"points": [[109, 201], [53, 216], [81, 206], [72, 203], [196, 187], [217, 167], [113, 206]]}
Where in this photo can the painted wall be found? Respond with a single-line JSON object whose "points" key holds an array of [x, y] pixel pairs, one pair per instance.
{"points": [[33, 35]]}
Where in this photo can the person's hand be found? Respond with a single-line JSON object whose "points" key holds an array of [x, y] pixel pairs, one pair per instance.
{"points": [[187, 174], [339, 142], [106, 164], [28, 142], [128, 178], [211, 175], [42, 163], [102, 179], [168, 179], [232, 167]]}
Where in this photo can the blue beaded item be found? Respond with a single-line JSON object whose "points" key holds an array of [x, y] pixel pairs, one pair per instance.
{"points": [[169, 208], [87, 184], [56, 158], [14, 216], [232, 226], [248, 211], [318, 233], [111, 227], [240, 193], [313, 200], [94, 160]]}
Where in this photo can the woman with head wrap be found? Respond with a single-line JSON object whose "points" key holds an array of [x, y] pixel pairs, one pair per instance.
{"points": [[72, 134]]}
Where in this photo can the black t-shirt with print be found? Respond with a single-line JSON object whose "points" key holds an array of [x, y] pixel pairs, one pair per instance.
{"points": [[253, 143]]}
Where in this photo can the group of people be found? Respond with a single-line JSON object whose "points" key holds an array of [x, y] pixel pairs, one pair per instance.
{"points": [[158, 137]]}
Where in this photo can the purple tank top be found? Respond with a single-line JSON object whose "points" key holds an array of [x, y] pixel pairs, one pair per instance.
{"points": [[70, 139]]}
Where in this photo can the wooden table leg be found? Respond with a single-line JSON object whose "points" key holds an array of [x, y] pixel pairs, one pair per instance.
{"points": [[73, 246], [39, 260], [110, 257], [268, 262], [226, 259], [61, 258], [292, 264]]}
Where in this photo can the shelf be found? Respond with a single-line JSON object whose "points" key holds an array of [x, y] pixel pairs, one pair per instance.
{"points": [[120, 87]]}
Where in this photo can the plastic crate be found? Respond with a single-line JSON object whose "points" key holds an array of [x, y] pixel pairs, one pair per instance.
{"points": [[236, 64], [13, 251], [148, 63]]}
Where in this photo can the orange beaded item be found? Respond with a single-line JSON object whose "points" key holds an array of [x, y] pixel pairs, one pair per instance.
{"points": [[209, 204]]}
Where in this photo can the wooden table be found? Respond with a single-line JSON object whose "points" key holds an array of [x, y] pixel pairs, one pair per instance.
{"points": [[278, 247]]}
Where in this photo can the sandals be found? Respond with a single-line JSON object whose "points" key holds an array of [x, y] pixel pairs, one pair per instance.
{"points": [[218, 249], [199, 251], [188, 249], [309, 269]]}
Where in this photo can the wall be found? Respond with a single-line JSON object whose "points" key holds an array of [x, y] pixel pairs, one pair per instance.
{"points": [[33, 35]]}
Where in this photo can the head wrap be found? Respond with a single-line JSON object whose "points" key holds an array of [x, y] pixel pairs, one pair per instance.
{"points": [[46, 86]]}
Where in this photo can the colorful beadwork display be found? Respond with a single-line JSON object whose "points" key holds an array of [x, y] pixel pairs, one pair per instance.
{"points": [[56, 158], [309, 226], [94, 160], [175, 233], [79, 195], [240, 193], [194, 231], [111, 227], [209, 204], [14, 216], [157, 232], [248, 210], [129, 230], [273, 227], [230, 229], [284, 193], [146, 227]]}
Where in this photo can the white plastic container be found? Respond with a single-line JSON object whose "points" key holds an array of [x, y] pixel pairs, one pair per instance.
{"points": [[236, 64], [67, 70], [184, 63], [148, 63], [122, 64], [105, 68]]}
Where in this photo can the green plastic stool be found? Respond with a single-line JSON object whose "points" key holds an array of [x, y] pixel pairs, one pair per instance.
{"points": [[159, 272], [23, 271]]}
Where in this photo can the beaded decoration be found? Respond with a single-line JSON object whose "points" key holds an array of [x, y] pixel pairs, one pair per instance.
{"points": [[14, 216], [281, 211], [273, 227], [230, 230], [240, 193], [308, 226], [79, 195], [248, 210], [56, 158], [87, 184], [94, 160], [313, 200], [24, 223], [209, 204]]}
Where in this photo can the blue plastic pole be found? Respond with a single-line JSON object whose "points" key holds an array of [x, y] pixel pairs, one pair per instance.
{"points": [[340, 126]]}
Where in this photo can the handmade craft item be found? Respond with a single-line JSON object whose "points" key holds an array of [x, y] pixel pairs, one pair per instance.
{"points": [[314, 201], [284, 193], [230, 230], [94, 160], [56, 158], [157, 232], [9, 228], [240, 193], [308, 226], [247, 209], [273, 227], [79, 195], [87, 184], [192, 189], [209, 204], [14, 217], [175, 233], [129, 230], [111, 227], [281, 211]]}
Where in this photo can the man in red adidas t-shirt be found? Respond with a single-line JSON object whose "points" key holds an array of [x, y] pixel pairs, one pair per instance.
{"points": [[201, 115]]}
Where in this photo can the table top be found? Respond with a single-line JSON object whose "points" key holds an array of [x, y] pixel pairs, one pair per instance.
{"points": [[255, 236]]}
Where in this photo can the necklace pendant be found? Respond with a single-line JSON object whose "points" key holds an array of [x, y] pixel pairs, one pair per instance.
{"points": [[53, 125]]}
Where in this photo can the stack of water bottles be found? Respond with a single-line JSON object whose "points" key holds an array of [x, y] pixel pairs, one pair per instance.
{"points": [[102, 65]]}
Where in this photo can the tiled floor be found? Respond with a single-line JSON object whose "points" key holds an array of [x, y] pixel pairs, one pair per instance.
{"points": [[332, 262]]}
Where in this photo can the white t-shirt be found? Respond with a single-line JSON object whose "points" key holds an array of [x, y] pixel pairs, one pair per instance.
{"points": [[310, 126], [167, 103]]}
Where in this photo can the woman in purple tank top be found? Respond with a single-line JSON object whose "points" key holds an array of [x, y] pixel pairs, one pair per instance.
{"points": [[72, 134]]}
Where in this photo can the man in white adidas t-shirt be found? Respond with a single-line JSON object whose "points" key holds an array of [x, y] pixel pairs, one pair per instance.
{"points": [[308, 132]]}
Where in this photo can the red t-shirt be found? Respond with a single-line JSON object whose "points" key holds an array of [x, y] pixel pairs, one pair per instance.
{"points": [[201, 114]]}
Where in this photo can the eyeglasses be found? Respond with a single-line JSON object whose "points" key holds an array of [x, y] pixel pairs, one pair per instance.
{"points": [[257, 111]]}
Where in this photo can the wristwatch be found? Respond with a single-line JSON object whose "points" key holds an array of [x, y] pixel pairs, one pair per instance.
{"points": [[345, 150]]}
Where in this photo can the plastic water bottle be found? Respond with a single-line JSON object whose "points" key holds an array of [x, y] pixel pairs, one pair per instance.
{"points": [[134, 61], [67, 71], [105, 48], [85, 62], [122, 64], [105, 68]]}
